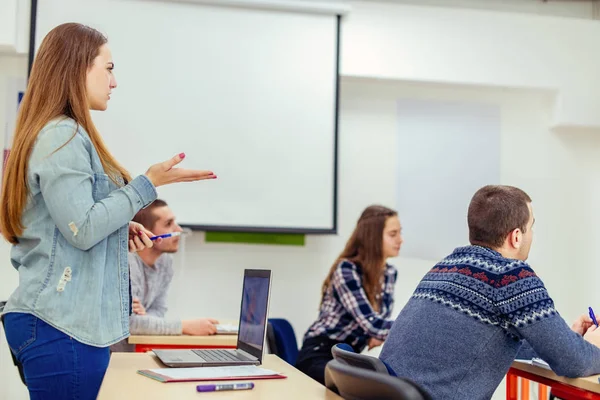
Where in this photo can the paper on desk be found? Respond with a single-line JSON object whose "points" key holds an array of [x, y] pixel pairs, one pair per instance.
{"points": [[213, 372], [227, 328], [538, 362], [209, 373]]}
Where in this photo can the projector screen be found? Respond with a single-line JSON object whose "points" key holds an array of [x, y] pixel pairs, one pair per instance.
{"points": [[247, 93]]}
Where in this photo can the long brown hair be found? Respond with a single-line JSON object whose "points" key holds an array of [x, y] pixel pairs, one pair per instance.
{"points": [[56, 87], [365, 248]]}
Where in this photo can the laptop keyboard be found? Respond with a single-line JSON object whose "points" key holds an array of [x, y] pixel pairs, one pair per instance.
{"points": [[220, 355]]}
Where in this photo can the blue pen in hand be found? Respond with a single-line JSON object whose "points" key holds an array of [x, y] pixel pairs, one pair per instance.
{"points": [[229, 386], [166, 235], [592, 316]]}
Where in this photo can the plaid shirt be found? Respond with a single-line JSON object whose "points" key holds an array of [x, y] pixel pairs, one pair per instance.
{"points": [[346, 314]]}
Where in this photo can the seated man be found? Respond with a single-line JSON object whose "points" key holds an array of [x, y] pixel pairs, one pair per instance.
{"points": [[468, 317], [151, 271]]}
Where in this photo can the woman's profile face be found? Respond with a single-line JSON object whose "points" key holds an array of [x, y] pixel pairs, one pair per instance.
{"points": [[100, 80], [392, 237]]}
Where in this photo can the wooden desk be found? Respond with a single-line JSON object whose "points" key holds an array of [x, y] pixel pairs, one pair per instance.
{"points": [[123, 382], [564, 388], [146, 343]]}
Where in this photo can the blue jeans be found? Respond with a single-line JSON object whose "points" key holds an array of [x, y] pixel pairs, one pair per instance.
{"points": [[56, 366]]}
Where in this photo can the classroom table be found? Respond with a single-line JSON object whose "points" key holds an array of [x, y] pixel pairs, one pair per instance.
{"points": [[564, 388], [123, 382], [144, 343]]}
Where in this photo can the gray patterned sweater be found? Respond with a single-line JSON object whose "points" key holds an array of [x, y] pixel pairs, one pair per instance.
{"points": [[467, 319]]}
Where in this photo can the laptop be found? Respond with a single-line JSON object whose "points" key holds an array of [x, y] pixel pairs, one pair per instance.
{"points": [[254, 311]]}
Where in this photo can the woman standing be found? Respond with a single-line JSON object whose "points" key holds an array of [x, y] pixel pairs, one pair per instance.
{"points": [[66, 208], [358, 293]]}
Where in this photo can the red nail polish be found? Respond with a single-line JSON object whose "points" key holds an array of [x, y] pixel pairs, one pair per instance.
{"points": [[140, 233], [181, 155]]}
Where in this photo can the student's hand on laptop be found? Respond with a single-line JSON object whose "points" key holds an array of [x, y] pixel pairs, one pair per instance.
{"points": [[200, 327], [137, 306], [582, 324], [593, 335], [372, 343]]}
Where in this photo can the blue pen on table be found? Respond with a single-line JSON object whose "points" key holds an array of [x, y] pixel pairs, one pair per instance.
{"points": [[166, 235], [227, 386], [592, 316]]}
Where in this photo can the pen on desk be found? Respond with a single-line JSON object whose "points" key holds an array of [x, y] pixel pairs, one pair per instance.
{"points": [[230, 386], [166, 235], [592, 316]]}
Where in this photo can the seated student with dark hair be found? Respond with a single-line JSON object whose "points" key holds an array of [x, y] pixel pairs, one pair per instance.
{"points": [[151, 273], [468, 317]]}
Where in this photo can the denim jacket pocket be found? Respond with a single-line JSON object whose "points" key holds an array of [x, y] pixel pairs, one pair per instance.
{"points": [[101, 187], [20, 330]]}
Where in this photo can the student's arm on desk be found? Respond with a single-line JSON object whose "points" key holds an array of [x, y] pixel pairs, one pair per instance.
{"points": [[566, 351], [152, 325]]}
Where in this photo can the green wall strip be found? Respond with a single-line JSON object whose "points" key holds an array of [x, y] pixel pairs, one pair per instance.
{"points": [[290, 239]]}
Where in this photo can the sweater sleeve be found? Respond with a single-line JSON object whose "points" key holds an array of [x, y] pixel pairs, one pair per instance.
{"points": [[151, 325], [153, 322], [525, 306], [526, 352]]}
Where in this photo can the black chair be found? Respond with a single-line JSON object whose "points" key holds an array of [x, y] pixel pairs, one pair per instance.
{"points": [[17, 363], [344, 353], [271, 341], [355, 383]]}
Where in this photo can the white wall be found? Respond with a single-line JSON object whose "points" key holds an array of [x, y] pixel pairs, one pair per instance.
{"points": [[8, 25], [14, 26], [560, 8], [479, 47]]}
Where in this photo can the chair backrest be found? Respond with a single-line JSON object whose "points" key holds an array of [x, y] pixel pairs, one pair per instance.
{"points": [[284, 341], [344, 354], [355, 383], [271, 344], [17, 364]]}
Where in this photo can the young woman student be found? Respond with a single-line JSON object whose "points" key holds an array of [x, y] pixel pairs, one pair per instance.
{"points": [[358, 293], [66, 208]]}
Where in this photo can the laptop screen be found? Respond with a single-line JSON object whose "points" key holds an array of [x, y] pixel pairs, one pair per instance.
{"points": [[254, 310]]}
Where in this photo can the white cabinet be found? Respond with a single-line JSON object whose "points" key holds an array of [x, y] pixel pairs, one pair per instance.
{"points": [[14, 26]]}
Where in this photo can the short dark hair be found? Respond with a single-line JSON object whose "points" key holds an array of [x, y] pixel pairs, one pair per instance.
{"points": [[494, 212], [146, 215]]}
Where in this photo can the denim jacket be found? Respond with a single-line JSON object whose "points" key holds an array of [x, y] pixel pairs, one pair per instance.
{"points": [[72, 255]]}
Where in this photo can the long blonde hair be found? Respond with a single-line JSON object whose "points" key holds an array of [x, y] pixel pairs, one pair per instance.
{"points": [[365, 248], [56, 87]]}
